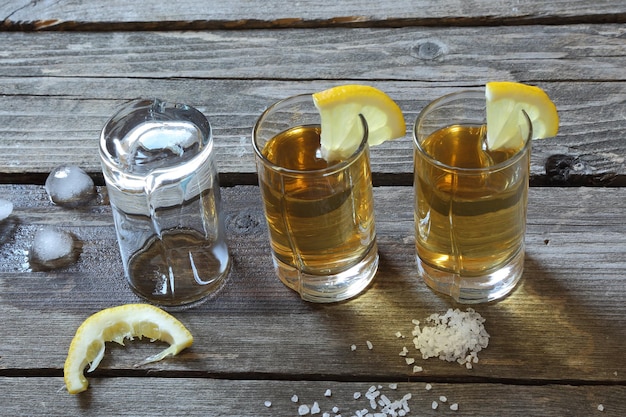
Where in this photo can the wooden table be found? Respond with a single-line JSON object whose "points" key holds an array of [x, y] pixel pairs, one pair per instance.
{"points": [[557, 344]]}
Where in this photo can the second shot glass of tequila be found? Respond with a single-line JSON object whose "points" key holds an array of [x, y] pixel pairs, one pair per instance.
{"points": [[320, 213], [470, 201]]}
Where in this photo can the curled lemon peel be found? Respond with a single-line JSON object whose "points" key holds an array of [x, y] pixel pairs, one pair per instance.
{"points": [[116, 324]]}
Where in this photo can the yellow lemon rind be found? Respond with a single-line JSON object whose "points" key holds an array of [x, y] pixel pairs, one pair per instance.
{"points": [[339, 109], [506, 100], [116, 324]]}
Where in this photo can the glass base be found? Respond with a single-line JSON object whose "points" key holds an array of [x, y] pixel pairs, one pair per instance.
{"points": [[191, 298], [474, 289], [330, 288]]}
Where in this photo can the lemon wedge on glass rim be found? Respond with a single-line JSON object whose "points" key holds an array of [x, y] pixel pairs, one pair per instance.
{"points": [[505, 102], [114, 325], [341, 127]]}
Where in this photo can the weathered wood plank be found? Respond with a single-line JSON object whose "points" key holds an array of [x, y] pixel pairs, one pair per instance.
{"points": [[211, 397], [46, 122], [197, 14], [454, 56], [565, 322], [57, 90]]}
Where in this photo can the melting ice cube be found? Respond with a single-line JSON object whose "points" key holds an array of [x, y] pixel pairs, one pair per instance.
{"points": [[52, 248], [69, 186], [6, 208]]}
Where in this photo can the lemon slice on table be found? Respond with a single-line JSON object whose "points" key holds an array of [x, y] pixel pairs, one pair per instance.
{"points": [[114, 325], [341, 126], [505, 102]]}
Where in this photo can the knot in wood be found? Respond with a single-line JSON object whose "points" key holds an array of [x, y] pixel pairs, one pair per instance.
{"points": [[564, 169], [428, 49], [244, 222]]}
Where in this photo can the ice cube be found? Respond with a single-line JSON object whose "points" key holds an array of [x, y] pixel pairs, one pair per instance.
{"points": [[70, 186], [6, 208], [52, 248]]}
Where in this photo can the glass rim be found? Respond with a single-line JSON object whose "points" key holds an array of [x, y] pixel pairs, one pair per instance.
{"points": [[473, 94], [330, 169]]}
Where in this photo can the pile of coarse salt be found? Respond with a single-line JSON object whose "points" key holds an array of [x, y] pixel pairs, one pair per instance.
{"points": [[454, 336]]}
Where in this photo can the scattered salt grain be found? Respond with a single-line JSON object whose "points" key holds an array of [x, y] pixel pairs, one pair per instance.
{"points": [[268, 404], [372, 394], [404, 351], [52, 248], [369, 345], [379, 404], [454, 406], [434, 405], [454, 336], [600, 407], [443, 398], [6, 208], [399, 335], [353, 348], [417, 369], [69, 186], [410, 361], [428, 387]]}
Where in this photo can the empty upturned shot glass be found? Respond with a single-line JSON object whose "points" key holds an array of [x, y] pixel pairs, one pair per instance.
{"points": [[320, 214], [158, 164], [470, 201]]}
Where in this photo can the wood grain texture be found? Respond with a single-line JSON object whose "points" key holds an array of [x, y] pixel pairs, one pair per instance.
{"points": [[57, 91], [37, 130], [201, 397], [197, 14], [564, 323], [557, 342], [449, 55]]}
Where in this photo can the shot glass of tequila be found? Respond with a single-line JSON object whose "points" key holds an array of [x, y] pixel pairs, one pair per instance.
{"points": [[158, 164], [320, 213], [470, 201]]}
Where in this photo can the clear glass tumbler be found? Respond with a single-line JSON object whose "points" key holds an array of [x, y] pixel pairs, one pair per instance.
{"points": [[470, 201], [158, 164], [320, 214]]}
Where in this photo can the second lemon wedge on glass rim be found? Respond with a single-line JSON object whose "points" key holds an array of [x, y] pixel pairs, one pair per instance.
{"points": [[505, 102], [341, 128]]}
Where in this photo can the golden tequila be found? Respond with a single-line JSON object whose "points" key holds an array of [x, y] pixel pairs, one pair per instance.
{"points": [[321, 219], [470, 215]]}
